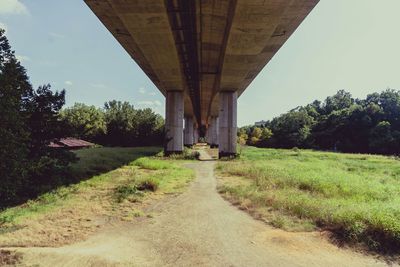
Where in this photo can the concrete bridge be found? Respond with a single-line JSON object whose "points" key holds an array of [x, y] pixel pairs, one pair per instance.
{"points": [[202, 55]]}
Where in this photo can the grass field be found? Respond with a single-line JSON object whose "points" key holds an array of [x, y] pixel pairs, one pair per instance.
{"points": [[116, 183], [357, 197]]}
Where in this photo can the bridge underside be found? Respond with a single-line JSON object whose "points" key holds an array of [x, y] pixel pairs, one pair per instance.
{"points": [[202, 53]]}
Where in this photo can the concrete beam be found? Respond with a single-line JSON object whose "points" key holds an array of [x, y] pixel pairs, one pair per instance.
{"points": [[227, 124], [233, 41], [188, 138], [174, 122]]}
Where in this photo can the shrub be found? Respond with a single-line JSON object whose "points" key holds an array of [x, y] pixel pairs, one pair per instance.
{"points": [[148, 184], [123, 192]]}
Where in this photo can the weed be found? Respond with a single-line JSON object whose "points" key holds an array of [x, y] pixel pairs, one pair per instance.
{"points": [[153, 164], [355, 196], [123, 192], [148, 184]]}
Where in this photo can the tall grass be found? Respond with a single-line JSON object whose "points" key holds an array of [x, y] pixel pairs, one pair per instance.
{"points": [[355, 196], [95, 161], [128, 171]]}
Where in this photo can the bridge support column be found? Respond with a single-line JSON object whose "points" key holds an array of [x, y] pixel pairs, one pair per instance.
{"points": [[213, 130], [227, 124], [207, 136], [195, 134], [188, 132], [174, 123]]}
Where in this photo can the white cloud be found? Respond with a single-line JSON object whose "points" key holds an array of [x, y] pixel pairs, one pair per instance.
{"points": [[68, 82], [22, 58], [13, 7], [3, 26], [157, 103], [152, 93], [142, 90], [97, 85]]}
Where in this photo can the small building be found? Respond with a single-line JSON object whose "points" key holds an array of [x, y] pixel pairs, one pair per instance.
{"points": [[260, 123], [70, 143]]}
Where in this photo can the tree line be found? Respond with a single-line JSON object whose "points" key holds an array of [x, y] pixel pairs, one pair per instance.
{"points": [[116, 124], [30, 119], [340, 123]]}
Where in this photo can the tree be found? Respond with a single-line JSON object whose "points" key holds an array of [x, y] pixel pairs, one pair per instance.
{"points": [[339, 101], [381, 138], [242, 136], [255, 136], [15, 89], [120, 122], [149, 127], [340, 123], [266, 134], [29, 122], [127, 126], [292, 129], [49, 167], [86, 122]]}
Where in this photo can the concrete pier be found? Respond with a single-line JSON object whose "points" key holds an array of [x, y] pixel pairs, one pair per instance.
{"points": [[213, 131], [227, 124], [188, 138], [174, 122], [195, 134]]}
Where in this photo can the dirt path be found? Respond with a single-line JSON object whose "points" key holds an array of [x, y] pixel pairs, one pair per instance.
{"points": [[198, 228]]}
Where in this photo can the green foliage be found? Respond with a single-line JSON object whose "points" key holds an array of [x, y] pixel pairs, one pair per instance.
{"points": [[381, 137], [242, 136], [29, 122], [150, 164], [187, 154], [127, 126], [292, 129], [255, 136], [340, 123], [86, 122], [356, 196], [126, 191], [117, 124]]}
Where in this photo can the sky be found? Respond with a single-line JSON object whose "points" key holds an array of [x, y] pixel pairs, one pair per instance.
{"points": [[343, 44]]}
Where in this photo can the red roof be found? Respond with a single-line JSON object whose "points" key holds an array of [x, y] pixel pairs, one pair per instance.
{"points": [[70, 142], [55, 145]]}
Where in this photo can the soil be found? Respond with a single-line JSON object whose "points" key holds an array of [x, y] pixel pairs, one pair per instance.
{"points": [[197, 228]]}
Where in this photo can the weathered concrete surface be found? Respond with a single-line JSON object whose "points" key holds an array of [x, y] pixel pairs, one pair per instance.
{"points": [[174, 122], [227, 123], [188, 138], [213, 131], [202, 47]]}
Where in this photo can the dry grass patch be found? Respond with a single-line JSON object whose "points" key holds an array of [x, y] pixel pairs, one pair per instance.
{"points": [[74, 212], [9, 258]]}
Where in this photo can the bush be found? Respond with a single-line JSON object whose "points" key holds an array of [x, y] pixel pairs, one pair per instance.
{"points": [[123, 192], [148, 184]]}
